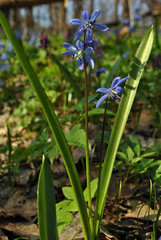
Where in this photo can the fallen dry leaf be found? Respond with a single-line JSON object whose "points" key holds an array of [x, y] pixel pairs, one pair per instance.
{"points": [[21, 229]]}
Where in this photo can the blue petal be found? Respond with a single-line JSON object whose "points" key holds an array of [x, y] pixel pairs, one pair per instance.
{"points": [[100, 26], [69, 46], [94, 15], [76, 21], [115, 82], [79, 32], [70, 52], [89, 35], [101, 100], [89, 50], [102, 90], [85, 15], [89, 60], [80, 63], [119, 90], [80, 45], [120, 81]]}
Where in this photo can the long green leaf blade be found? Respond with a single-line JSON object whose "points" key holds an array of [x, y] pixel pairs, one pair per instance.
{"points": [[135, 73], [46, 204], [53, 123]]}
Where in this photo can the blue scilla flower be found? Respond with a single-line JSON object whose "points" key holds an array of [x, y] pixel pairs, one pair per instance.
{"points": [[9, 48], [4, 57], [126, 21], [137, 17], [136, 9], [2, 84], [99, 71], [32, 40], [79, 53], [125, 55], [87, 24], [2, 45], [4, 67], [115, 91]]}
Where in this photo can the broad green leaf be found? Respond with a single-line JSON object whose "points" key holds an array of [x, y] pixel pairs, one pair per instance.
{"points": [[158, 162], [135, 160], [134, 143], [145, 164], [148, 154], [76, 137], [20, 154], [62, 204], [122, 155], [137, 150], [94, 185], [68, 192], [64, 217], [46, 204], [72, 207], [156, 175], [131, 85], [129, 152]]}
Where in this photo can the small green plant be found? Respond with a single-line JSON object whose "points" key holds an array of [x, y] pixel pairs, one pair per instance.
{"points": [[90, 221]]}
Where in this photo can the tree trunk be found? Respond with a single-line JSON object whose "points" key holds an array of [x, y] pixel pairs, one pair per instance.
{"points": [[91, 6], [115, 11], [125, 12], [78, 7], [62, 17]]}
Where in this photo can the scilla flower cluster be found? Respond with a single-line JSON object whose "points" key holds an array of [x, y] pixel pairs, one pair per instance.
{"points": [[84, 48]]}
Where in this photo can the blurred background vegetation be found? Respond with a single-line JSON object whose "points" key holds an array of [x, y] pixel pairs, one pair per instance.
{"points": [[55, 14]]}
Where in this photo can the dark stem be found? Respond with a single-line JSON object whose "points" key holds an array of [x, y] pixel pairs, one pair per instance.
{"points": [[87, 144], [100, 165]]}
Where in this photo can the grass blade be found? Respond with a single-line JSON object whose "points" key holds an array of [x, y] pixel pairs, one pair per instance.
{"points": [[46, 204]]}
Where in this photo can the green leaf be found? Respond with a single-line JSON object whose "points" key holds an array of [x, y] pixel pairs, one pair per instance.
{"points": [[129, 152], [46, 204], [148, 154], [122, 155], [72, 207], [62, 204], [134, 143], [145, 164], [93, 185], [131, 85], [68, 192], [99, 111], [158, 162], [137, 150], [20, 154], [156, 175], [64, 217], [76, 137]]}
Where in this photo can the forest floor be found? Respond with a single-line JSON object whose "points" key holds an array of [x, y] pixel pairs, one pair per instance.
{"points": [[128, 216]]}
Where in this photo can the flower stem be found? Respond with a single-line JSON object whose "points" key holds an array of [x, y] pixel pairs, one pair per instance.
{"points": [[100, 166], [87, 145]]}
